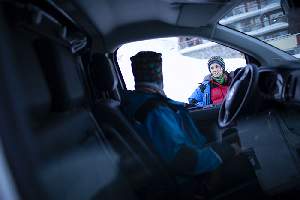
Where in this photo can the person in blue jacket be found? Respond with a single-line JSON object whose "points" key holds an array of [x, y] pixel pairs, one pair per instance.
{"points": [[166, 125], [214, 87]]}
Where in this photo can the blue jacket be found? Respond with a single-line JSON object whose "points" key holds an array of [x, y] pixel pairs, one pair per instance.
{"points": [[201, 97], [173, 134]]}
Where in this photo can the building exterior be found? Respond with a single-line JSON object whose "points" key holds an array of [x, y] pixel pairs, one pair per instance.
{"points": [[263, 19]]}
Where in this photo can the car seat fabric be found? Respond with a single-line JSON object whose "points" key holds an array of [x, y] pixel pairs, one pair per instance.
{"points": [[65, 86], [76, 162]]}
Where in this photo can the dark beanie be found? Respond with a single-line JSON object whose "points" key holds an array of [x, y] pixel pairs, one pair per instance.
{"points": [[218, 60], [147, 67]]}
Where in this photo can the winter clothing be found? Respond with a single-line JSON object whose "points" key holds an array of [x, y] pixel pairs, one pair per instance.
{"points": [[218, 60], [218, 92], [165, 124], [210, 91], [221, 80], [170, 129], [147, 67], [201, 96]]}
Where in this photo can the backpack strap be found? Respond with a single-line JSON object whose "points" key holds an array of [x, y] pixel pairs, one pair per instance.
{"points": [[142, 112]]}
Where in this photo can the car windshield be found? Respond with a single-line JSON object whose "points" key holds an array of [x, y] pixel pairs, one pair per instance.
{"points": [[266, 20]]}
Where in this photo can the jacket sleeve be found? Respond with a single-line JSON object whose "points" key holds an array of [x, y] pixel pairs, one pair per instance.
{"points": [[196, 98], [171, 143]]}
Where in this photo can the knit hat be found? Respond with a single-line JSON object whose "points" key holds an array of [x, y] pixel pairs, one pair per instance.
{"points": [[147, 67], [218, 60]]}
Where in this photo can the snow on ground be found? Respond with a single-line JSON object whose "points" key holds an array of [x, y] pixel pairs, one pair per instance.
{"points": [[182, 74]]}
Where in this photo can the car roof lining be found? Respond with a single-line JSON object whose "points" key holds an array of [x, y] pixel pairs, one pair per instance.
{"points": [[142, 33], [175, 18], [110, 15], [119, 13], [189, 13]]}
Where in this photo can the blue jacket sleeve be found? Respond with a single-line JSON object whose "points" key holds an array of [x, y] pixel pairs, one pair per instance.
{"points": [[196, 98], [168, 138]]}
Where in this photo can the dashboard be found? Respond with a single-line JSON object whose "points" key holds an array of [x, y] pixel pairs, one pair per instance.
{"points": [[280, 84], [272, 136]]}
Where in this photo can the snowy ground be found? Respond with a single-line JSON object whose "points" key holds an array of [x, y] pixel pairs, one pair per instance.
{"points": [[182, 74]]}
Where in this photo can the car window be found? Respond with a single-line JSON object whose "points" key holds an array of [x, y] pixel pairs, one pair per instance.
{"points": [[266, 20], [184, 62]]}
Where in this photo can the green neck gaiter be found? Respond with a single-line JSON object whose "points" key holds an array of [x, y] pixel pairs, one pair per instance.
{"points": [[220, 80]]}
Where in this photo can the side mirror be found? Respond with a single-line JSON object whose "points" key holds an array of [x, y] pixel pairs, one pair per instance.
{"points": [[291, 8]]}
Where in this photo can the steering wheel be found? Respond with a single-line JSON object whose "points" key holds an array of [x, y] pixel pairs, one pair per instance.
{"points": [[240, 91]]}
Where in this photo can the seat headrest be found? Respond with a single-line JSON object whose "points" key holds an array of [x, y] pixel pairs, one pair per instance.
{"points": [[61, 70], [102, 73]]}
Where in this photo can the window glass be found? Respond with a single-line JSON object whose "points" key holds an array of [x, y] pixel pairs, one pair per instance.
{"points": [[184, 62], [267, 21]]}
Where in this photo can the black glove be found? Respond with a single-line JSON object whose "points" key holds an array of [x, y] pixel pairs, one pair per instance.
{"points": [[193, 101], [202, 87]]}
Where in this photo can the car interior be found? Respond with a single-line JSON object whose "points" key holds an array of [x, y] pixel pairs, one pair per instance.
{"points": [[64, 134]]}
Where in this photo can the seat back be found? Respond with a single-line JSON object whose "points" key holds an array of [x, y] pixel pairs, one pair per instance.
{"points": [[55, 148], [72, 141]]}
